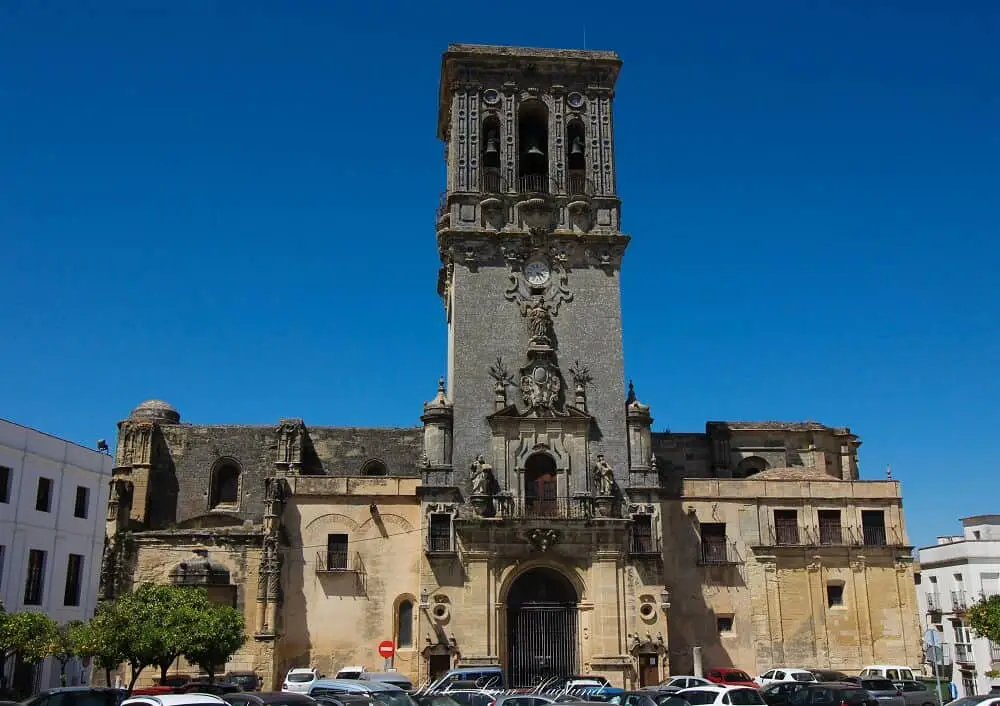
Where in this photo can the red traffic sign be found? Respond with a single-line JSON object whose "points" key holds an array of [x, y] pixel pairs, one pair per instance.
{"points": [[386, 648]]}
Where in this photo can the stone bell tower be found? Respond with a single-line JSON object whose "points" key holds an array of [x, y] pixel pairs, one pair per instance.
{"points": [[529, 236]]}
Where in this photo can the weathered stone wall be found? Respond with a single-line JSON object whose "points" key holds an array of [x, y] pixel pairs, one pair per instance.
{"points": [[157, 553], [334, 619]]}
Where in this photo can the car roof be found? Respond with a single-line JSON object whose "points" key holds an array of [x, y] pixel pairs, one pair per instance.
{"points": [[176, 699], [718, 688], [269, 696], [301, 670], [356, 685], [788, 669], [69, 689]]}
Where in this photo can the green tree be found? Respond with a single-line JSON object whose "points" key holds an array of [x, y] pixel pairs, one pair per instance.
{"points": [[28, 635], [213, 638], [64, 646], [184, 605], [98, 641], [984, 618]]}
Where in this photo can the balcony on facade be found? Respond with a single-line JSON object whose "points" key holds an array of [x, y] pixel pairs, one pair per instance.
{"points": [[964, 653], [933, 602], [788, 532], [534, 507], [959, 601], [440, 535], [575, 185], [642, 540], [333, 562], [717, 551]]}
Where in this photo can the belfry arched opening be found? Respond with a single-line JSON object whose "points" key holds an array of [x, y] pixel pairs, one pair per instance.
{"points": [[541, 627]]}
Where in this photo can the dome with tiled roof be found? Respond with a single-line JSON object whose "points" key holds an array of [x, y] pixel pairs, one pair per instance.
{"points": [[156, 411]]}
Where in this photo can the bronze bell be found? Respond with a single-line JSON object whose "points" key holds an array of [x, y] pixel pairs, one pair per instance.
{"points": [[576, 146], [533, 148], [492, 148]]}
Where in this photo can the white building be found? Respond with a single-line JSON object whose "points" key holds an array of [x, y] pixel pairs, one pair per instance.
{"points": [[955, 573], [53, 495]]}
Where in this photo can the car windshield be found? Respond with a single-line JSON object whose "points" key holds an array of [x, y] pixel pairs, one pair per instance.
{"points": [[878, 685], [301, 677], [436, 700], [393, 698], [803, 676], [698, 697]]}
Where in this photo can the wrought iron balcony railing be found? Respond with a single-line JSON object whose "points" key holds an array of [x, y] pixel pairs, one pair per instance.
{"points": [[642, 544], [831, 534], [339, 562], [577, 184], [874, 536], [440, 544], [959, 602], [492, 182], [574, 507], [717, 551], [533, 184], [787, 533], [933, 602], [994, 652], [963, 653]]}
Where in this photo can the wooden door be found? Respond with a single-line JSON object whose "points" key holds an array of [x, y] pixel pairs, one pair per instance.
{"points": [[540, 494], [649, 670]]}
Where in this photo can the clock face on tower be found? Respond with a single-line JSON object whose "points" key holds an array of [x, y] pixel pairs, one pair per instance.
{"points": [[537, 273]]}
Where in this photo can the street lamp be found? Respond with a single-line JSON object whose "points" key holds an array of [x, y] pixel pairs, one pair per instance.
{"points": [[424, 597], [665, 598]]}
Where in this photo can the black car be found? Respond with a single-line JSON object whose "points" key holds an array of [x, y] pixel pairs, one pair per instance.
{"points": [[268, 698], [248, 681], [826, 675], [343, 699], [842, 693], [77, 696], [777, 694], [434, 700]]}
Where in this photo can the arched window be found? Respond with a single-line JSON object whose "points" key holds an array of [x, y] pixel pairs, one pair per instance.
{"points": [[533, 141], [490, 158], [374, 467], [225, 490], [404, 624], [576, 160], [750, 466]]}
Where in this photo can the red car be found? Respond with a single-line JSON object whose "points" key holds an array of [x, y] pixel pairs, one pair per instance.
{"points": [[730, 677]]}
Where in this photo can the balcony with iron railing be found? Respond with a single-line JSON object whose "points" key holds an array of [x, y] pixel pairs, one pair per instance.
{"points": [[642, 543], [717, 551], [573, 507], [578, 185], [959, 601], [994, 652], [874, 536], [338, 562], [440, 543], [787, 532], [964, 653], [933, 602]]}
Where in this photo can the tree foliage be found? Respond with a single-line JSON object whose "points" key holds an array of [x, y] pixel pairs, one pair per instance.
{"points": [[64, 645], [214, 636], [98, 641], [28, 635], [984, 618]]}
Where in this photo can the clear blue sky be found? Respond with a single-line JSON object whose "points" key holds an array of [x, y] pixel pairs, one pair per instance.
{"points": [[229, 205]]}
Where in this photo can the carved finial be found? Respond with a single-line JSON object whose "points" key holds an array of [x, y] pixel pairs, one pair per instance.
{"points": [[888, 472], [631, 393], [441, 385]]}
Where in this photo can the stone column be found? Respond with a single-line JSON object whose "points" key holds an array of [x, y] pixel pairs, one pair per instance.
{"points": [[862, 610]]}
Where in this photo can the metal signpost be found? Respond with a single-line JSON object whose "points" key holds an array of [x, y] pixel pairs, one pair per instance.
{"points": [[387, 649], [932, 641]]}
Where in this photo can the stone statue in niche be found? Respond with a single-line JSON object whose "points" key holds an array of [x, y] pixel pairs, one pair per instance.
{"points": [[604, 476], [482, 476], [539, 317]]}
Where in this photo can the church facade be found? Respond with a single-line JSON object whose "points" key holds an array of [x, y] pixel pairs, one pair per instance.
{"points": [[533, 519]]}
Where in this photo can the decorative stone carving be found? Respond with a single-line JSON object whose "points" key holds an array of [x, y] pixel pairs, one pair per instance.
{"points": [[555, 293], [441, 508], [498, 371], [604, 477], [541, 385], [482, 476], [581, 378], [290, 438], [539, 319], [641, 508], [541, 540], [858, 563], [136, 443]]}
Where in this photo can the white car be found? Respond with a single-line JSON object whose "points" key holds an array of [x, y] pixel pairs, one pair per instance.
{"points": [[175, 700], [778, 674], [681, 682], [723, 695], [299, 680]]}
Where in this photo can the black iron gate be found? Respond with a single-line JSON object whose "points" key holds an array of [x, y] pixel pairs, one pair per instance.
{"points": [[541, 642]]}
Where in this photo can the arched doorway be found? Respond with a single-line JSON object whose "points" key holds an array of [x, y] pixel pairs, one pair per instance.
{"points": [[541, 627]]}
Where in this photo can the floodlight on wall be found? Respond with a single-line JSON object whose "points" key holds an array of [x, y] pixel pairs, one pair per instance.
{"points": [[102, 446]]}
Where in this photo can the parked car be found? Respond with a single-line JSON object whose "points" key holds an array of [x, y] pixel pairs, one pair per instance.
{"points": [[268, 698], [208, 687], [353, 672], [300, 680], [730, 677], [633, 698], [175, 700], [470, 697], [379, 692], [916, 693], [829, 675], [343, 699], [785, 674], [722, 694], [892, 672], [884, 691], [490, 677], [778, 693], [394, 678], [248, 681], [680, 682], [81, 695], [845, 694], [434, 699]]}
